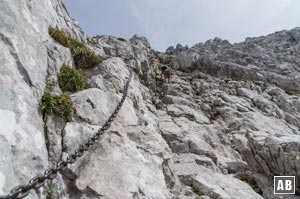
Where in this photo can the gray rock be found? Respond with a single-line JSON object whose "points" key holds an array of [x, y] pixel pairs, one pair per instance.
{"points": [[229, 109], [24, 41], [185, 111]]}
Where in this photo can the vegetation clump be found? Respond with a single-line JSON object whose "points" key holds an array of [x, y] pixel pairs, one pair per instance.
{"points": [[248, 179], [59, 36], [197, 191], [50, 190], [71, 79], [61, 105], [83, 56]]}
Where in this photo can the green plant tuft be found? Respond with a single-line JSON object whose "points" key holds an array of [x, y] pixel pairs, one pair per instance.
{"points": [[48, 84], [291, 92], [248, 179], [47, 103], [83, 56], [60, 105], [59, 36], [50, 191], [197, 191], [63, 105], [71, 79]]}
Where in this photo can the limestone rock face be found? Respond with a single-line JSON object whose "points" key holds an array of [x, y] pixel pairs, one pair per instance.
{"points": [[25, 52], [136, 52], [222, 128], [273, 58]]}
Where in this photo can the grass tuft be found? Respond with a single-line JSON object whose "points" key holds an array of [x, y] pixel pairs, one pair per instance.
{"points": [[248, 179], [71, 79], [61, 105], [197, 191], [83, 56], [50, 191], [59, 36]]}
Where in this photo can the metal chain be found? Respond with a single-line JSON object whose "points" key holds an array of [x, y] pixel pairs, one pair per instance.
{"points": [[22, 191]]}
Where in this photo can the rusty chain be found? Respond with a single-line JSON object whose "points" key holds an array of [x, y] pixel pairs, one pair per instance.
{"points": [[22, 191]]}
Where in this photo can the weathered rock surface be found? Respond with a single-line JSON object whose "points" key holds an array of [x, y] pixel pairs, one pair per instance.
{"points": [[25, 50], [273, 58], [231, 110]]}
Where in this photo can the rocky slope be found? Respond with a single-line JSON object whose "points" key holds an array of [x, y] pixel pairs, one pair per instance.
{"points": [[226, 123]]}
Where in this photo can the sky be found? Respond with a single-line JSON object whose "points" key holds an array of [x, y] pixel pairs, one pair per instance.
{"points": [[168, 22]]}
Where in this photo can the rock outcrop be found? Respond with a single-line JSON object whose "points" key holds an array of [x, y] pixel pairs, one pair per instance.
{"points": [[222, 128], [27, 54]]}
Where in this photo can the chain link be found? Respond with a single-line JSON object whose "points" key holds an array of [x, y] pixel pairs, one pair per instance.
{"points": [[49, 174]]}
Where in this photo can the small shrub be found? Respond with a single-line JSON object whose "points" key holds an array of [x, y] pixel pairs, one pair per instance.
{"points": [[59, 36], [48, 84], [248, 179], [50, 190], [197, 191], [73, 43], [47, 103], [61, 105], [291, 92], [71, 79], [83, 56]]}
